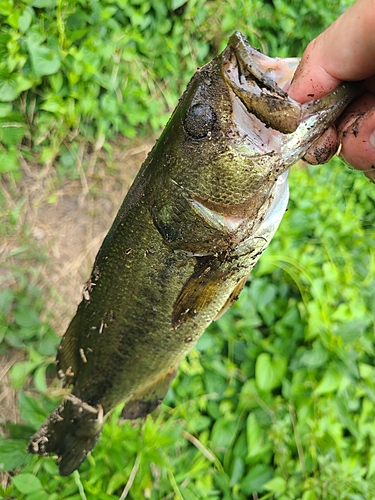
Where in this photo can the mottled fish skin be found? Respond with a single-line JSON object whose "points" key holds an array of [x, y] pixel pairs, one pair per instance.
{"points": [[202, 209]]}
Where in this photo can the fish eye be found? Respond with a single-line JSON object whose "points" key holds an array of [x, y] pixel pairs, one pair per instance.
{"points": [[199, 120]]}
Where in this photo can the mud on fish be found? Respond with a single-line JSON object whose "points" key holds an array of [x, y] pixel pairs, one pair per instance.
{"points": [[202, 209]]}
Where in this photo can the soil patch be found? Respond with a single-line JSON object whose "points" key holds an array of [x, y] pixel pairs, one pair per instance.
{"points": [[69, 222]]}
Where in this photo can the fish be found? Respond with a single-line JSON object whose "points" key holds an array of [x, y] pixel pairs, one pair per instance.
{"points": [[202, 209]]}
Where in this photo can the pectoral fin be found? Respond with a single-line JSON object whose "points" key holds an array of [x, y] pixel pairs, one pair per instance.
{"points": [[198, 292], [232, 297], [146, 400]]}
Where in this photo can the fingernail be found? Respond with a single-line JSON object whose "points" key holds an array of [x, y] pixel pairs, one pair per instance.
{"points": [[372, 139]]}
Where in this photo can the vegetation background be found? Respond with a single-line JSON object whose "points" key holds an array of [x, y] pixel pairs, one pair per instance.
{"points": [[278, 399]]}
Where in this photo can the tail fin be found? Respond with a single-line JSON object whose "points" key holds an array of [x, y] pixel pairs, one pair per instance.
{"points": [[71, 431]]}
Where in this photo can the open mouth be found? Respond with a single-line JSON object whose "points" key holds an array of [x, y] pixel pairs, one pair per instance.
{"points": [[256, 79]]}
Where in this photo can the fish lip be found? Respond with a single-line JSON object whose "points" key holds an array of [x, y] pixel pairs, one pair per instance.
{"points": [[240, 52], [231, 69], [245, 127], [246, 72]]}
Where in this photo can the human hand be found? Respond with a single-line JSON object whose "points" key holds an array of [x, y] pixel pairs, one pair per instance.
{"points": [[344, 52]]}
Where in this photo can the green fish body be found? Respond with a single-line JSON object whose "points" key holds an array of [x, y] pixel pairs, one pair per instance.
{"points": [[202, 209]]}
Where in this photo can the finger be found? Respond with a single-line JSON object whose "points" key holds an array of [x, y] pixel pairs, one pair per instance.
{"points": [[323, 148], [343, 52], [311, 80], [356, 133]]}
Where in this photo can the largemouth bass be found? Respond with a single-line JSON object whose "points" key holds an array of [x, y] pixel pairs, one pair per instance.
{"points": [[202, 209]]}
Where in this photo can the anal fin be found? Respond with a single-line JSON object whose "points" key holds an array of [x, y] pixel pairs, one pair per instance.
{"points": [[147, 399]]}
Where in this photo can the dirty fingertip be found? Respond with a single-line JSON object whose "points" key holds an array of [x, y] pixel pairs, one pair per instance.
{"points": [[356, 134], [323, 149]]}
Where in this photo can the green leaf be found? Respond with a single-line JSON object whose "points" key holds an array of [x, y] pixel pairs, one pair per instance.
{"points": [[35, 37], [264, 373], [5, 110], [40, 378], [32, 410], [315, 357], [257, 442], [54, 104], [19, 432], [43, 4], [4, 40], [177, 4], [25, 19], [256, 478], [269, 372], [9, 161], [6, 300], [27, 483], [40, 495], [12, 136], [24, 83], [309, 495], [13, 19], [6, 7], [115, 482], [44, 60], [238, 469], [353, 329], [330, 381], [13, 454], [20, 372], [8, 86], [26, 317], [371, 466], [57, 82], [276, 484], [367, 371], [222, 433], [200, 422]]}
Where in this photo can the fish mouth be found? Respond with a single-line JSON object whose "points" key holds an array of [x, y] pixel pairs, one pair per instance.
{"points": [[257, 81]]}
